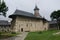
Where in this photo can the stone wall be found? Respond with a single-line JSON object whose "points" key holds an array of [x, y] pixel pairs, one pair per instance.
{"points": [[46, 26], [5, 28], [28, 24]]}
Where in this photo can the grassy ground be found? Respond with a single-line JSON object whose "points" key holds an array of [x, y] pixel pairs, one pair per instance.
{"points": [[7, 34], [46, 35]]}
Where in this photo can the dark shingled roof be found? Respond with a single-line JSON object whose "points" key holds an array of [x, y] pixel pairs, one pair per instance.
{"points": [[4, 23], [53, 22], [24, 14]]}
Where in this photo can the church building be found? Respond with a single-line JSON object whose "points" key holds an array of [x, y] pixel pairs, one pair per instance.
{"points": [[23, 21]]}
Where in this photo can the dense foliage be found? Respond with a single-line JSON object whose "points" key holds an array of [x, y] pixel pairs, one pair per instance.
{"points": [[3, 8], [55, 14]]}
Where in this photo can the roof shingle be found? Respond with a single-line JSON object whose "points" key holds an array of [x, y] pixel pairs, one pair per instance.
{"points": [[4, 23], [23, 13]]}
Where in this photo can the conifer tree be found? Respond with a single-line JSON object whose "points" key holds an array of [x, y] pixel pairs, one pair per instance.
{"points": [[3, 8]]}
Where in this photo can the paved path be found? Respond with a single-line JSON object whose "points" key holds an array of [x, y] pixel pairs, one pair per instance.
{"points": [[18, 37]]}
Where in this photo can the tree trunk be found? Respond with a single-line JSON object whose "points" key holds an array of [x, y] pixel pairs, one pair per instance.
{"points": [[57, 25]]}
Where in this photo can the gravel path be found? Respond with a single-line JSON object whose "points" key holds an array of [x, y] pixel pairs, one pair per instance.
{"points": [[18, 37]]}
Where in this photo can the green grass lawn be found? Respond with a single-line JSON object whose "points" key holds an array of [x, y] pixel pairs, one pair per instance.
{"points": [[7, 34], [46, 35]]}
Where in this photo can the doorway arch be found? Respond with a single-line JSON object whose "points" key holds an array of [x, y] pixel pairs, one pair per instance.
{"points": [[21, 29]]}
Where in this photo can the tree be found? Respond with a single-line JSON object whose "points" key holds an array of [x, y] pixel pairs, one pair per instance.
{"points": [[55, 15], [3, 8]]}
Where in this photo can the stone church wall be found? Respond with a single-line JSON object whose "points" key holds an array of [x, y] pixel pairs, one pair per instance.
{"points": [[29, 24]]}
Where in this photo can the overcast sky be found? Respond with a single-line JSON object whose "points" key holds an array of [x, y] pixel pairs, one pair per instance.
{"points": [[45, 6]]}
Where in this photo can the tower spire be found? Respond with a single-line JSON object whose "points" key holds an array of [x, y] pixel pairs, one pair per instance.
{"points": [[36, 8], [36, 11]]}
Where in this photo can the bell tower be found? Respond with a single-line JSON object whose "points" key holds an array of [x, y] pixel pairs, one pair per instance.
{"points": [[36, 11]]}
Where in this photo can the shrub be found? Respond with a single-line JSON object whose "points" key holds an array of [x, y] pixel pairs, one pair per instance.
{"points": [[40, 32], [13, 32]]}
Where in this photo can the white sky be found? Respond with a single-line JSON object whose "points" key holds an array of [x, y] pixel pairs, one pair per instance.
{"points": [[45, 6]]}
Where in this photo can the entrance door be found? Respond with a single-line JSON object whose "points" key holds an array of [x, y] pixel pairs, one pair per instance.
{"points": [[21, 29]]}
